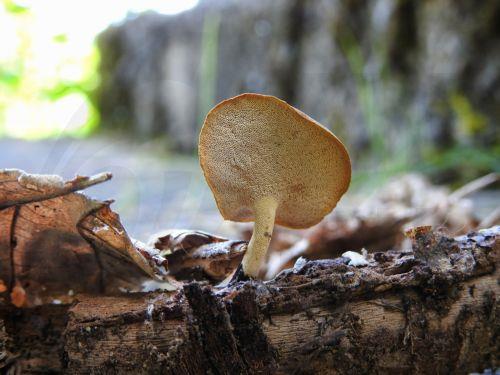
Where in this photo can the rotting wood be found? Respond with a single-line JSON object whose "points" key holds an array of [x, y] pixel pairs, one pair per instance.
{"points": [[433, 310]]}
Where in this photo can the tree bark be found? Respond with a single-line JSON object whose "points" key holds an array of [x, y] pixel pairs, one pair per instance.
{"points": [[432, 309]]}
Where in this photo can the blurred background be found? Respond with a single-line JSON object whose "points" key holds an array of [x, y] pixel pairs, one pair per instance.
{"points": [[124, 86]]}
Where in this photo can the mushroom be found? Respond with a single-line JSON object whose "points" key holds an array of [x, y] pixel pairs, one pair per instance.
{"points": [[267, 162]]}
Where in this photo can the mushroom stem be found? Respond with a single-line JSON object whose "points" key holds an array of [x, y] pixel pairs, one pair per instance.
{"points": [[265, 210]]}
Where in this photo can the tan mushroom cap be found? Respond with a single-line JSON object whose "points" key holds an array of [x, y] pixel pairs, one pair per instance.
{"points": [[253, 146]]}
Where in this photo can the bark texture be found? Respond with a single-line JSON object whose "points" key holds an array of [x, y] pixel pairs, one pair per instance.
{"points": [[432, 309]]}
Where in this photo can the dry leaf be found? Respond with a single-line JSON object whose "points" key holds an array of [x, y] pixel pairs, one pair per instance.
{"points": [[197, 255], [42, 250]]}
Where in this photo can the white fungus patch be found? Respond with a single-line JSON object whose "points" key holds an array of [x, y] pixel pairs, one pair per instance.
{"points": [[100, 228], [149, 312], [355, 259], [299, 263], [40, 181], [152, 285]]}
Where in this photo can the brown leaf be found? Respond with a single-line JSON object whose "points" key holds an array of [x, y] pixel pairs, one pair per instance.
{"points": [[198, 255], [41, 249]]}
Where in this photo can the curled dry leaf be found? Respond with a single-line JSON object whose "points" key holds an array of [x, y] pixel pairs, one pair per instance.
{"points": [[198, 255], [121, 257], [56, 243]]}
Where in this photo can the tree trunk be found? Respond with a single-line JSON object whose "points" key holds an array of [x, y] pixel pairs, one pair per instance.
{"points": [[433, 309]]}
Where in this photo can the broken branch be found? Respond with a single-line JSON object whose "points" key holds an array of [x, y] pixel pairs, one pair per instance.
{"points": [[44, 188]]}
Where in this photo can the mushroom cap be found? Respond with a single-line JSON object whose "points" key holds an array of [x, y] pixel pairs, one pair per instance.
{"points": [[253, 146]]}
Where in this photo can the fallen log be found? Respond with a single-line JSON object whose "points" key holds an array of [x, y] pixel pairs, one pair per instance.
{"points": [[431, 309]]}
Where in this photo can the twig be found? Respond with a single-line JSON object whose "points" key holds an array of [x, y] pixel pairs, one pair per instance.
{"points": [[475, 185], [78, 183], [490, 220]]}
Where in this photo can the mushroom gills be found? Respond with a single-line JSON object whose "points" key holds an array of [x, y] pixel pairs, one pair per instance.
{"points": [[265, 212]]}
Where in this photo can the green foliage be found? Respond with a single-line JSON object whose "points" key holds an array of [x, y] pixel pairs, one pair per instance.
{"points": [[60, 38], [469, 120], [45, 77], [10, 78], [14, 7], [208, 64], [461, 163]]}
